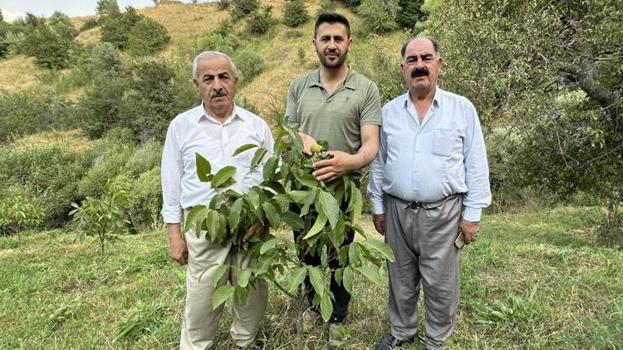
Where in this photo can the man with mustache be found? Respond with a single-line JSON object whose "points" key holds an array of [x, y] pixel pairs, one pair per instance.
{"points": [[214, 129], [342, 107], [427, 186]]}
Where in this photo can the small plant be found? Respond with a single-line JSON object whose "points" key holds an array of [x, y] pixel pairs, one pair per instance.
{"points": [[104, 217], [301, 54], [18, 213], [143, 320], [288, 195], [261, 21]]}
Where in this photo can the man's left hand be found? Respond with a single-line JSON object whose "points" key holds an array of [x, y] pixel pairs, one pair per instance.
{"points": [[470, 230], [340, 164], [255, 229]]}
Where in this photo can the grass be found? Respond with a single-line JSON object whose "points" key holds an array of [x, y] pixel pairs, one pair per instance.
{"points": [[534, 280]]}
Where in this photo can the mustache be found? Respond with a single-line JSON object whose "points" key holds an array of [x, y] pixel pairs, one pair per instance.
{"points": [[219, 93], [419, 72]]}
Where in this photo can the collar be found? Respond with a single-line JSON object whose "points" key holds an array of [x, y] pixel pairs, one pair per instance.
{"points": [[436, 98], [202, 114], [348, 82]]}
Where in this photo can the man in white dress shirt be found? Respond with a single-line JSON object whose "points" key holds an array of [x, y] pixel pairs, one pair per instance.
{"points": [[214, 129], [429, 182]]}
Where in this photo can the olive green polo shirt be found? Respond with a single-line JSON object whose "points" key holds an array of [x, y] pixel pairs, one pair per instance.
{"points": [[336, 117]]}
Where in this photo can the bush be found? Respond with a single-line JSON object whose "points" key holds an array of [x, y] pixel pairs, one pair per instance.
{"points": [[249, 65], [145, 200], [100, 106], [295, 13], [379, 16], [107, 7], [261, 21], [147, 37], [243, 8], [27, 112], [47, 174], [223, 4], [146, 158], [116, 27], [88, 24], [18, 212], [326, 6], [410, 13], [215, 41]]}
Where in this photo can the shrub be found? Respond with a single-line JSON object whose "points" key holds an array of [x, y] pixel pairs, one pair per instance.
{"points": [[116, 27], [326, 6], [243, 8], [106, 60], [107, 7], [147, 37], [261, 21], [410, 13], [61, 25], [88, 24], [295, 13], [145, 200], [379, 15], [144, 159], [249, 65], [215, 41], [100, 105], [18, 212], [28, 112], [223, 4]]}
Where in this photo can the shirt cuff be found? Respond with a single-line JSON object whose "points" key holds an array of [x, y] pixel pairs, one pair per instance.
{"points": [[377, 207], [172, 216], [472, 214]]}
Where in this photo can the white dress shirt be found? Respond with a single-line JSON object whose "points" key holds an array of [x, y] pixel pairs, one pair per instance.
{"points": [[428, 161], [194, 131]]}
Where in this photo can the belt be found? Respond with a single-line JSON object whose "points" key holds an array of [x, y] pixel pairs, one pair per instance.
{"points": [[425, 205]]}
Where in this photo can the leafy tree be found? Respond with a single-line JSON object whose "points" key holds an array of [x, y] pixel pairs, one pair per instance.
{"points": [[107, 7], [548, 80], [147, 37], [295, 13], [249, 65], [116, 27], [410, 13], [261, 21], [61, 25], [379, 15]]}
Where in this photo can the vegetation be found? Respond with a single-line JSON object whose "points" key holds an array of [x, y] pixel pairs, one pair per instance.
{"points": [[295, 13]]}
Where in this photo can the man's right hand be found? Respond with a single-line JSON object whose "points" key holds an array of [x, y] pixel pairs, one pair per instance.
{"points": [[308, 141], [379, 223], [178, 250]]}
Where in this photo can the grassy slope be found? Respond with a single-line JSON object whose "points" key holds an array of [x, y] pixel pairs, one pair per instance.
{"points": [[533, 280]]}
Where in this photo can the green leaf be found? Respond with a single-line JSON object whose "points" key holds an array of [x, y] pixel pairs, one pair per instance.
{"points": [[296, 278], [294, 221], [221, 295], [213, 223], [353, 254], [376, 246], [298, 196], [270, 167], [204, 169], [221, 235], [355, 205], [218, 274], [243, 148], [308, 180], [347, 279], [234, 214], [195, 218], [326, 307], [257, 157], [268, 245], [371, 274], [241, 295], [242, 277], [253, 198], [324, 256], [223, 176], [327, 205], [272, 214], [316, 278], [321, 221]]}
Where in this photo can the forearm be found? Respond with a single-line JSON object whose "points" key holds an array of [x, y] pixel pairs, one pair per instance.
{"points": [[174, 232]]}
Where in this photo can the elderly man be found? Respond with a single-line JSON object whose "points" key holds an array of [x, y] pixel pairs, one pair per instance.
{"points": [[342, 107], [214, 129], [427, 186]]}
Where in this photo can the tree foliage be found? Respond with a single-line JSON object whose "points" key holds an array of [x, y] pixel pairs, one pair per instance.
{"points": [[548, 78], [288, 195], [295, 13], [379, 15]]}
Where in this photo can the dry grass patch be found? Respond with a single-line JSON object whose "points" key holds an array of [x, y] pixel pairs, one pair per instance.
{"points": [[18, 73]]}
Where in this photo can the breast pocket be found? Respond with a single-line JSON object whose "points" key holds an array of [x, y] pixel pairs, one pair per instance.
{"points": [[443, 140]]}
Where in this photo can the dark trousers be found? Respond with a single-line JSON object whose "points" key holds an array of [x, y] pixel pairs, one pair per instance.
{"points": [[341, 295]]}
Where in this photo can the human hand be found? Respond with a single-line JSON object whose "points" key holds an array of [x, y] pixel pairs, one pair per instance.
{"points": [[379, 223], [338, 164], [258, 229], [178, 250], [308, 141], [470, 230]]}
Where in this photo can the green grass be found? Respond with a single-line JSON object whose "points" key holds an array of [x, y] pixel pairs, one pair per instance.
{"points": [[534, 280]]}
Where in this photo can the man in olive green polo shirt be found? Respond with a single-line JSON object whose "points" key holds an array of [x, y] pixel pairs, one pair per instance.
{"points": [[340, 106]]}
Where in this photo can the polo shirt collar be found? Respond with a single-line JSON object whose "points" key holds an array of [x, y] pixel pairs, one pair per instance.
{"points": [[348, 82]]}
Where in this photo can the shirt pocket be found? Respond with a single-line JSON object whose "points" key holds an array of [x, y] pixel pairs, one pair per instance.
{"points": [[443, 141]]}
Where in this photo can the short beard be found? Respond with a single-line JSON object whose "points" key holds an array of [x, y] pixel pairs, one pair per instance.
{"points": [[340, 61]]}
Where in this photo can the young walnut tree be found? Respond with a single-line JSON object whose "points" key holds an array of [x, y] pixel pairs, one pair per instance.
{"points": [[288, 196]]}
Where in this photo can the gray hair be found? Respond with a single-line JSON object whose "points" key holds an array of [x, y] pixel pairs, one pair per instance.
{"points": [[206, 55], [434, 41]]}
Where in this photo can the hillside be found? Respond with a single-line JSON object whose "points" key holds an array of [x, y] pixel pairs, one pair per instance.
{"points": [[185, 23]]}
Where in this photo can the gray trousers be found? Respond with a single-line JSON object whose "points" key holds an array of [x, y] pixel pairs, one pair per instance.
{"points": [[422, 238]]}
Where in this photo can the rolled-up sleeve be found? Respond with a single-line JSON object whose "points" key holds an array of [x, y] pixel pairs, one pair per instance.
{"points": [[171, 178], [375, 181]]}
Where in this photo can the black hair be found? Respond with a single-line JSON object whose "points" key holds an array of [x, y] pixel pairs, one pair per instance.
{"points": [[331, 17]]}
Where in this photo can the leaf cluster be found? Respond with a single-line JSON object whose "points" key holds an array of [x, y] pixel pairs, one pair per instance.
{"points": [[289, 196]]}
